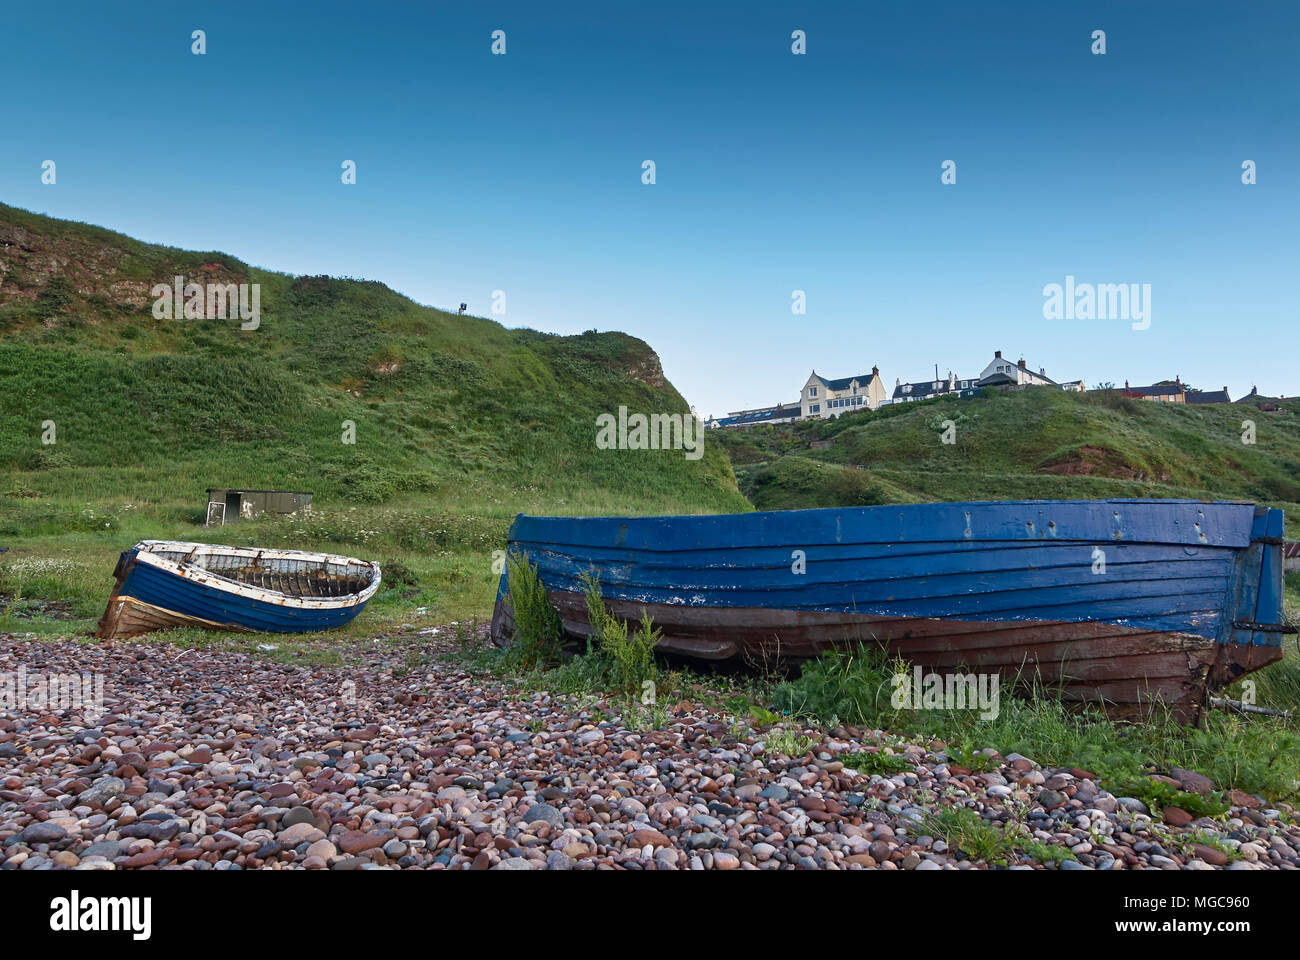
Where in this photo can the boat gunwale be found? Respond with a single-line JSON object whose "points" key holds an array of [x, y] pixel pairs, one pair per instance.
{"points": [[893, 506], [144, 553], [985, 522]]}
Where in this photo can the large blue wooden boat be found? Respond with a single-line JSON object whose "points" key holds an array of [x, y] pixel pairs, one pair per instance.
{"points": [[1127, 602], [169, 583]]}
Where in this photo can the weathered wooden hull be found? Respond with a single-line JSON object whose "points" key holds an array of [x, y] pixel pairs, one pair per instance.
{"points": [[163, 584], [1183, 602]]}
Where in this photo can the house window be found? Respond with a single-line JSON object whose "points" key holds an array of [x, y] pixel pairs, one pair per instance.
{"points": [[812, 391], [815, 408]]}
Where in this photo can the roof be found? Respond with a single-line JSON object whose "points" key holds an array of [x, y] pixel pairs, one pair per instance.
{"points": [[843, 383], [1208, 396], [925, 388], [996, 379], [765, 415], [1156, 390], [300, 493]]}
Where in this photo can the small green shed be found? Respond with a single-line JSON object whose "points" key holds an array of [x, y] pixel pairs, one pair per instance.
{"points": [[226, 504]]}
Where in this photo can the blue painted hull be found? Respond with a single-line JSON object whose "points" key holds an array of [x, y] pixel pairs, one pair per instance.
{"points": [[982, 578]]}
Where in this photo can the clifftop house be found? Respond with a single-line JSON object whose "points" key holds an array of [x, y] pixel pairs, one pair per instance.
{"points": [[1175, 391], [1163, 392], [828, 398], [821, 398], [1253, 398], [1003, 373]]}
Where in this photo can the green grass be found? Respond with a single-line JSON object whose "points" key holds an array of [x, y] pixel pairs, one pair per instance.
{"points": [[460, 423], [1255, 754]]}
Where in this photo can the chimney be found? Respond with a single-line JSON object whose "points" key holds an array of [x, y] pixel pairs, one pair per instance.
{"points": [[1042, 371], [997, 354], [1021, 363], [1225, 391], [875, 371], [1125, 384], [898, 381], [1178, 380]]}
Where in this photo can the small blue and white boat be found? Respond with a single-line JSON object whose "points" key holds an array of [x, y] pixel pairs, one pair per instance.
{"points": [[1127, 602], [172, 583]]}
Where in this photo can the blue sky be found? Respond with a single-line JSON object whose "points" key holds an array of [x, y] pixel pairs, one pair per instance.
{"points": [[775, 172]]}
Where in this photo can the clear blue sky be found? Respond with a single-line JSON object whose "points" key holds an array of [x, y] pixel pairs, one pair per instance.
{"points": [[775, 172]]}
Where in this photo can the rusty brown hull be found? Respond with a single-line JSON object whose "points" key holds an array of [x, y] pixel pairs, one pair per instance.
{"points": [[129, 617], [1129, 671]]}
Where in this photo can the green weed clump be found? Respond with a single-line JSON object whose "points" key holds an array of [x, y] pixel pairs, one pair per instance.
{"points": [[1045, 852], [538, 633], [1157, 795], [965, 830], [630, 654], [881, 763], [783, 741], [852, 686]]}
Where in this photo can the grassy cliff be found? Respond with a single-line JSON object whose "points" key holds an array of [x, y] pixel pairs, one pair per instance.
{"points": [[459, 423]]}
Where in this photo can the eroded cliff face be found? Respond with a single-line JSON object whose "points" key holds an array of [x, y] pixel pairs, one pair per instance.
{"points": [[92, 275], [647, 369]]}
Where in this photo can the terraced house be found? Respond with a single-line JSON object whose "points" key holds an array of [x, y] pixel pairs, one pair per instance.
{"points": [[1166, 391], [924, 389], [829, 398], [781, 413]]}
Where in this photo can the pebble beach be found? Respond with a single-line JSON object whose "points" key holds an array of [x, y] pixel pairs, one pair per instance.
{"points": [[206, 759]]}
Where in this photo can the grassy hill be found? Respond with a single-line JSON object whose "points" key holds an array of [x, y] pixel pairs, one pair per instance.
{"points": [[1036, 443], [459, 422]]}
